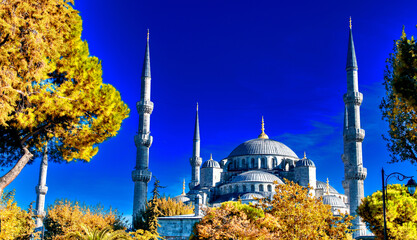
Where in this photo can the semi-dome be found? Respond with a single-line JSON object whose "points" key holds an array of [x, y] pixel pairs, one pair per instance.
{"points": [[210, 163], [256, 176], [262, 146], [251, 196], [323, 185], [333, 201], [305, 162]]}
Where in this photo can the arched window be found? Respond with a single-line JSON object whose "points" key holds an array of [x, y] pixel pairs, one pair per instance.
{"points": [[263, 163], [261, 188], [229, 166], [275, 163], [287, 167], [236, 166], [236, 188], [269, 188], [243, 163], [244, 188], [230, 189], [252, 162], [252, 188]]}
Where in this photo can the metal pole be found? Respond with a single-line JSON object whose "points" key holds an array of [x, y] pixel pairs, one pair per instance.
{"points": [[383, 204]]}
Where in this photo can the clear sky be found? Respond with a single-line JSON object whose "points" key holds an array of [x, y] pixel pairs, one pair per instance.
{"points": [[239, 60]]}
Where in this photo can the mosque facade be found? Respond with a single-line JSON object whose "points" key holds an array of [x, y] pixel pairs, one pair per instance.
{"points": [[253, 169]]}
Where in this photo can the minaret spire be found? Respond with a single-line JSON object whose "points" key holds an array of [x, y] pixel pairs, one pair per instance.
{"points": [[143, 140], [263, 134], [196, 160], [41, 189], [353, 135]]}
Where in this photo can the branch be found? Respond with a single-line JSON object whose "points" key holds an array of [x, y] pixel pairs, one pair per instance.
{"points": [[22, 142], [5, 40]]}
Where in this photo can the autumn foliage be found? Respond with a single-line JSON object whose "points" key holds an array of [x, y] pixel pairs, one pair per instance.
{"points": [[291, 214], [16, 223], [401, 215]]}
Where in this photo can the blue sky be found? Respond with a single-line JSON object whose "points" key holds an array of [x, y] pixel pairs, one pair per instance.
{"points": [[240, 60]]}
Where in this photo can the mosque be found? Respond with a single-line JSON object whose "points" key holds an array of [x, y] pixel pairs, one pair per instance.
{"points": [[252, 170]]}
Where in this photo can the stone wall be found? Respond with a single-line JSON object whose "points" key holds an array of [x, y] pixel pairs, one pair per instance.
{"points": [[177, 227]]}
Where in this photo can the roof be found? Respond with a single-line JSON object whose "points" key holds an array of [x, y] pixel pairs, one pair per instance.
{"points": [[333, 201], [260, 146], [181, 198], [251, 196], [210, 164], [256, 176], [323, 185], [305, 162]]}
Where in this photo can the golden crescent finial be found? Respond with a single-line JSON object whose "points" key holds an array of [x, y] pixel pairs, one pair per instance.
{"points": [[211, 156], [327, 187], [263, 134], [305, 155], [183, 187], [197, 106], [350, 22], [147, 35]]}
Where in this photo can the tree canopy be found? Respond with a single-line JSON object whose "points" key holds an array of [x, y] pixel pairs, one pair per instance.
{"points": [[51, 88], [401, 211], [291, 214], [399, 106]]}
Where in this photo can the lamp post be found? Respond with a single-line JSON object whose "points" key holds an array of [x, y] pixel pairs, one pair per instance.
{"points": [[411, 188]]}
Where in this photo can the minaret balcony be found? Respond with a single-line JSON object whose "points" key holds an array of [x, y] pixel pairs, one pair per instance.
{"points": [[354, 134], [353, 97], [141, 175], [144, 107], [41, 189], [358, 174], [196, 161], [143, 140]]}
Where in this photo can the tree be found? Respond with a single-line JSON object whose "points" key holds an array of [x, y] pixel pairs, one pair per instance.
{"points": [[51, 88], [401, 211], [291, 214], [16, 223], [170, 207], [399, 106], [103, 234], [65, 217]]}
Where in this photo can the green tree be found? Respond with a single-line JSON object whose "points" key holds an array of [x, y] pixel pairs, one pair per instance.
{"points": [[291, 214], [51, 88], [399, 106], [401, 215], [103, 234], [16, 223]]}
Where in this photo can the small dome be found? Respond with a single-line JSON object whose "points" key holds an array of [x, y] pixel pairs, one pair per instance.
{"points": [[305, 162], [211, 164], [256, 176], [333, 201], [323, 186], [262, 146], [181, 198], [251, 196]]}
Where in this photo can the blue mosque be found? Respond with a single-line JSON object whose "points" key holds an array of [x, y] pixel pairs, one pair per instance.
{"points": [[253, 169]]}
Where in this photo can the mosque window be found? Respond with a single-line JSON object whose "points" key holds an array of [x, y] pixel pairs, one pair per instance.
{"points": [[243, 163], [244, 188], [235, 162], [275, 163], [236, 188], [230, 189], [229, 167], [252, 188], [269, 188], [261, 188], [252, 161], [263, 163]]}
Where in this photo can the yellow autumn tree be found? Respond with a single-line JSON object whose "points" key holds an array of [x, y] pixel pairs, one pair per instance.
{"points": [[171, 207], [16, 223], [51, 88], [65, 217], [291, 214], [401, 215]]}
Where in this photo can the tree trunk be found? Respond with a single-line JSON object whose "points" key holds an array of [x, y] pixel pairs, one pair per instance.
{"points": [[12, 174]]}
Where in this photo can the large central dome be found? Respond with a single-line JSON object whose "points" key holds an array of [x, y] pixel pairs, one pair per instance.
{"points": [[262, 146]]}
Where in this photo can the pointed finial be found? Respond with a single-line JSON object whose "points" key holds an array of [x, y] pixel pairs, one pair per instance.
{"points": [[197, 106], [305, 155], [327, 187], [350, 22], [211, 156], [263, 135], [183, 187], [147, 35]]}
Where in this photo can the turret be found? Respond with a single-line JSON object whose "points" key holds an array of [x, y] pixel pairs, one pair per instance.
{"points": [[143, 140], [196, 160], [353, 136], [305, 173]]}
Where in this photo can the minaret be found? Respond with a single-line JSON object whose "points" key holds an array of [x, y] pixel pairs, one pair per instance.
{"points": [[41, 189], [353, 136], [143, 140], [196, 160]]}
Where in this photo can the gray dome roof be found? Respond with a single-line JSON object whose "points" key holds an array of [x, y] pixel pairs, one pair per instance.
{"points": [[260, 146], [305, 162], [251, 196], [211, 164], [181, 198], [333, 201], [256, 176], [323, 185]]}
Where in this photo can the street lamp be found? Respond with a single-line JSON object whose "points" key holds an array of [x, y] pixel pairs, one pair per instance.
{"points": [[411, 188]]}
